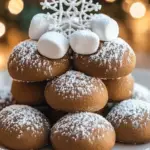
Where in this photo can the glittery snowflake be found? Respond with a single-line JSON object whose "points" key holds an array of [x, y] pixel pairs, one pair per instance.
{"points": [[70, 15]]}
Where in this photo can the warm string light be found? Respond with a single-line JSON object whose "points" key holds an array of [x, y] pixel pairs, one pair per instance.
{"points": [[2, 61], [126, 5], [19, 36], [2, 29], [110, 1], [138, 10], [15, 6], [4, 53]]}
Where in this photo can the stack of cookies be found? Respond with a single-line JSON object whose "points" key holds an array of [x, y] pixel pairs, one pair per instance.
{"points": [[113, 63], [31, 71], [65, 77]]}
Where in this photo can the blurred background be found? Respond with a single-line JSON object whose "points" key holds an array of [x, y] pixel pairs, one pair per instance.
{"points": [[133, 17]]}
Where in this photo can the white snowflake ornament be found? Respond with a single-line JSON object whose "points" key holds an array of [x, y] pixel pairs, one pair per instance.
{"points": [[70, 15]]}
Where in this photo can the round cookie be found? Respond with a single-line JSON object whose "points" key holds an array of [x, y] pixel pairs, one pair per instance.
{"points": [[131, 120], [26, 64], [28, 93], [80, 131], [74, 91], [141, 92], [114, 59], [6, 98], [120, 89], [28, 128]]}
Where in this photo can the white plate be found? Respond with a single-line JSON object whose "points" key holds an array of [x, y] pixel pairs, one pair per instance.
{"points": [[141, 76], [125, 147], [132, 147]]}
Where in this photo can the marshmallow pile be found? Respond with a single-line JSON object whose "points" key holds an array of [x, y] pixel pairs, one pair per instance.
{"points": [[55, 45]]}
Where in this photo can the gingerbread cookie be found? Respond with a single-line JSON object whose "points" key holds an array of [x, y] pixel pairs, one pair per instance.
{"points": [[74, 91], [26, 64], [114, 59], [80, 131], [120, 89], [131, 120], [28, 93], [28, 128]]}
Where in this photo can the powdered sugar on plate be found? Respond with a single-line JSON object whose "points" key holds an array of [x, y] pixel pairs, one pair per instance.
{"points": [[6, 98], [21, 118], [75, 84], [131, 110], [112, 51], [82, 125], [141, 92], [132, 147]]}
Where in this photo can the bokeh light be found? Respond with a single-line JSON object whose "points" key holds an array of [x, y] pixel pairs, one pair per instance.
{"points": [[15, 6], [110, 1], [2, 29], [19, 36], [4, 54], [2, 61], [126, 5], [138, 10]]}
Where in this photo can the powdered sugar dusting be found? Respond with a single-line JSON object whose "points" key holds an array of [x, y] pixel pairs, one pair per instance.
{"points": [[82, 126], [26, 54], [141, 92], [132, 110], [112, 51], [21, 118], [76, 84]]}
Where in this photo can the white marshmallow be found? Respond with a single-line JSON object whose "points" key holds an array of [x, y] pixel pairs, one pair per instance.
{"points": [[39, 25], [84, 42], [53, 45], [105, 27]]}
